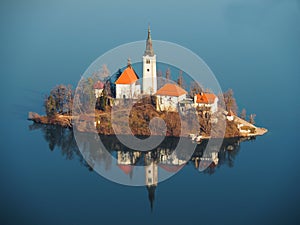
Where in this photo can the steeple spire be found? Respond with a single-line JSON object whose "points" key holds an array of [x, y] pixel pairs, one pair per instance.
{"points": [[149, 32], [128, 62], [149, 50], [151, 193]]}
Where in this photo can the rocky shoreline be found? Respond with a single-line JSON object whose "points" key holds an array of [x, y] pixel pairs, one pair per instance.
{"points": [[66, 121]]}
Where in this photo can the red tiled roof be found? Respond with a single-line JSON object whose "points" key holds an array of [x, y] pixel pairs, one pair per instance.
{"points": [[171, 90], [206, 98], [127, 77], [126, 168], [98, 85]]}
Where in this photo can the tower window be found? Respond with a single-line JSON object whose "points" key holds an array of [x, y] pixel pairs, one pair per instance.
{"points": [[148, 61], [148, 70]]}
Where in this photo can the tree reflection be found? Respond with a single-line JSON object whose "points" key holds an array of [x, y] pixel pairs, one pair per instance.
{"points": [[205, 158], [61, 138]]}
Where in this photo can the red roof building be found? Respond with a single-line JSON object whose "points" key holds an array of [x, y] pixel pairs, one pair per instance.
{"points": [[205, 98], [208, 100], [127, 85], [127, 77], [98, 85], [171, 90], [169, 96]]}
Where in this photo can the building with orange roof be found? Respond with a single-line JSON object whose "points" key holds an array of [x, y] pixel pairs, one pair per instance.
{"points": [[98, 88], [169, 96], [207, 100], [127, 85]]}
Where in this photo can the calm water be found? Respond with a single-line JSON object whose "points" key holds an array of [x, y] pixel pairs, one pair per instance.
{"points": [[48, 182], [252, 47]]}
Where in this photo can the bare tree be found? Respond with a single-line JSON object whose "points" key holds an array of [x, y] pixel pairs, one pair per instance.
{"points": [[180, 79], [229, 101], [159, 73], [252, 118], [195, 88], [101, 74], [62, 96], [50, 106], [105, 72], [168, 74], [243, 114]]}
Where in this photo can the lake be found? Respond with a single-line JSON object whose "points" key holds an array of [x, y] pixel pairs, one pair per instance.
{"points": [[50, 183]]}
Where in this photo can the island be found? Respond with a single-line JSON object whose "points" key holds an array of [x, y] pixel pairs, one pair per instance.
{"points": [[126, 104]]}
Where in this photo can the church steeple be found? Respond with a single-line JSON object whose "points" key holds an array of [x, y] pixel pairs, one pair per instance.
{"points": [[149, 68], [151, 195], [149, 50], [129, 62]]}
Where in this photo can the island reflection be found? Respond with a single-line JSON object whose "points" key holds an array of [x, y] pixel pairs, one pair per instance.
{"points": [[162, 157]]}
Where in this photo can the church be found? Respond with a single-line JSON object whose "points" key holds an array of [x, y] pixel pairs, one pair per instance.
{"points": [[127, 85], [168, 97]]}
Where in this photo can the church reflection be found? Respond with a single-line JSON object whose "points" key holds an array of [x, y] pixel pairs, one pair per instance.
{"points": [[163, 159]]}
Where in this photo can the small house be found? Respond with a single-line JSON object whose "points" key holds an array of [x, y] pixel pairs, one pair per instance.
{"points": [[206, 100], [169, 96], [127, 85], [98, 88]]}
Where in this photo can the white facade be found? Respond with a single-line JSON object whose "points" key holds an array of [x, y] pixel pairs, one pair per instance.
{"points": [[98, 92], [151, 174], [127, 91], [170, 159], [230, 118], [213, 106], [149, 74], [169, 103], [127, 158]]}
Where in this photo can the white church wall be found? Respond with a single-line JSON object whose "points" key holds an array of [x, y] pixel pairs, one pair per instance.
{"points": [[127, 91], [149, 75]]}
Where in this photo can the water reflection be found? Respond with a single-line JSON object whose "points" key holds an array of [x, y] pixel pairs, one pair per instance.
{"points": [[163, 159]]}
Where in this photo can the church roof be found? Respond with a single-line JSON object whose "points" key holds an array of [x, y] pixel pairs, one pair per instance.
{"points": [[98, 85], [206, 98], [127, 77], [171, 90]]}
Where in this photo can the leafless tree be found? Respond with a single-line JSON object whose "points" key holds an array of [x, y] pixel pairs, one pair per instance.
{"points": [[180, 80], [195, 88], [229, 101], [168, 74], [63, 97], [252, 118], [159, 73], [243, 114]]}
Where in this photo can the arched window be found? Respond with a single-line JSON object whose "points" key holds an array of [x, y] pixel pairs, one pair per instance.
{"points": [[148, 61]]}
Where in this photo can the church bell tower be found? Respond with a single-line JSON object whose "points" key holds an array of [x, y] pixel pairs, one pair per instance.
{"points": [[149, 68]]}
